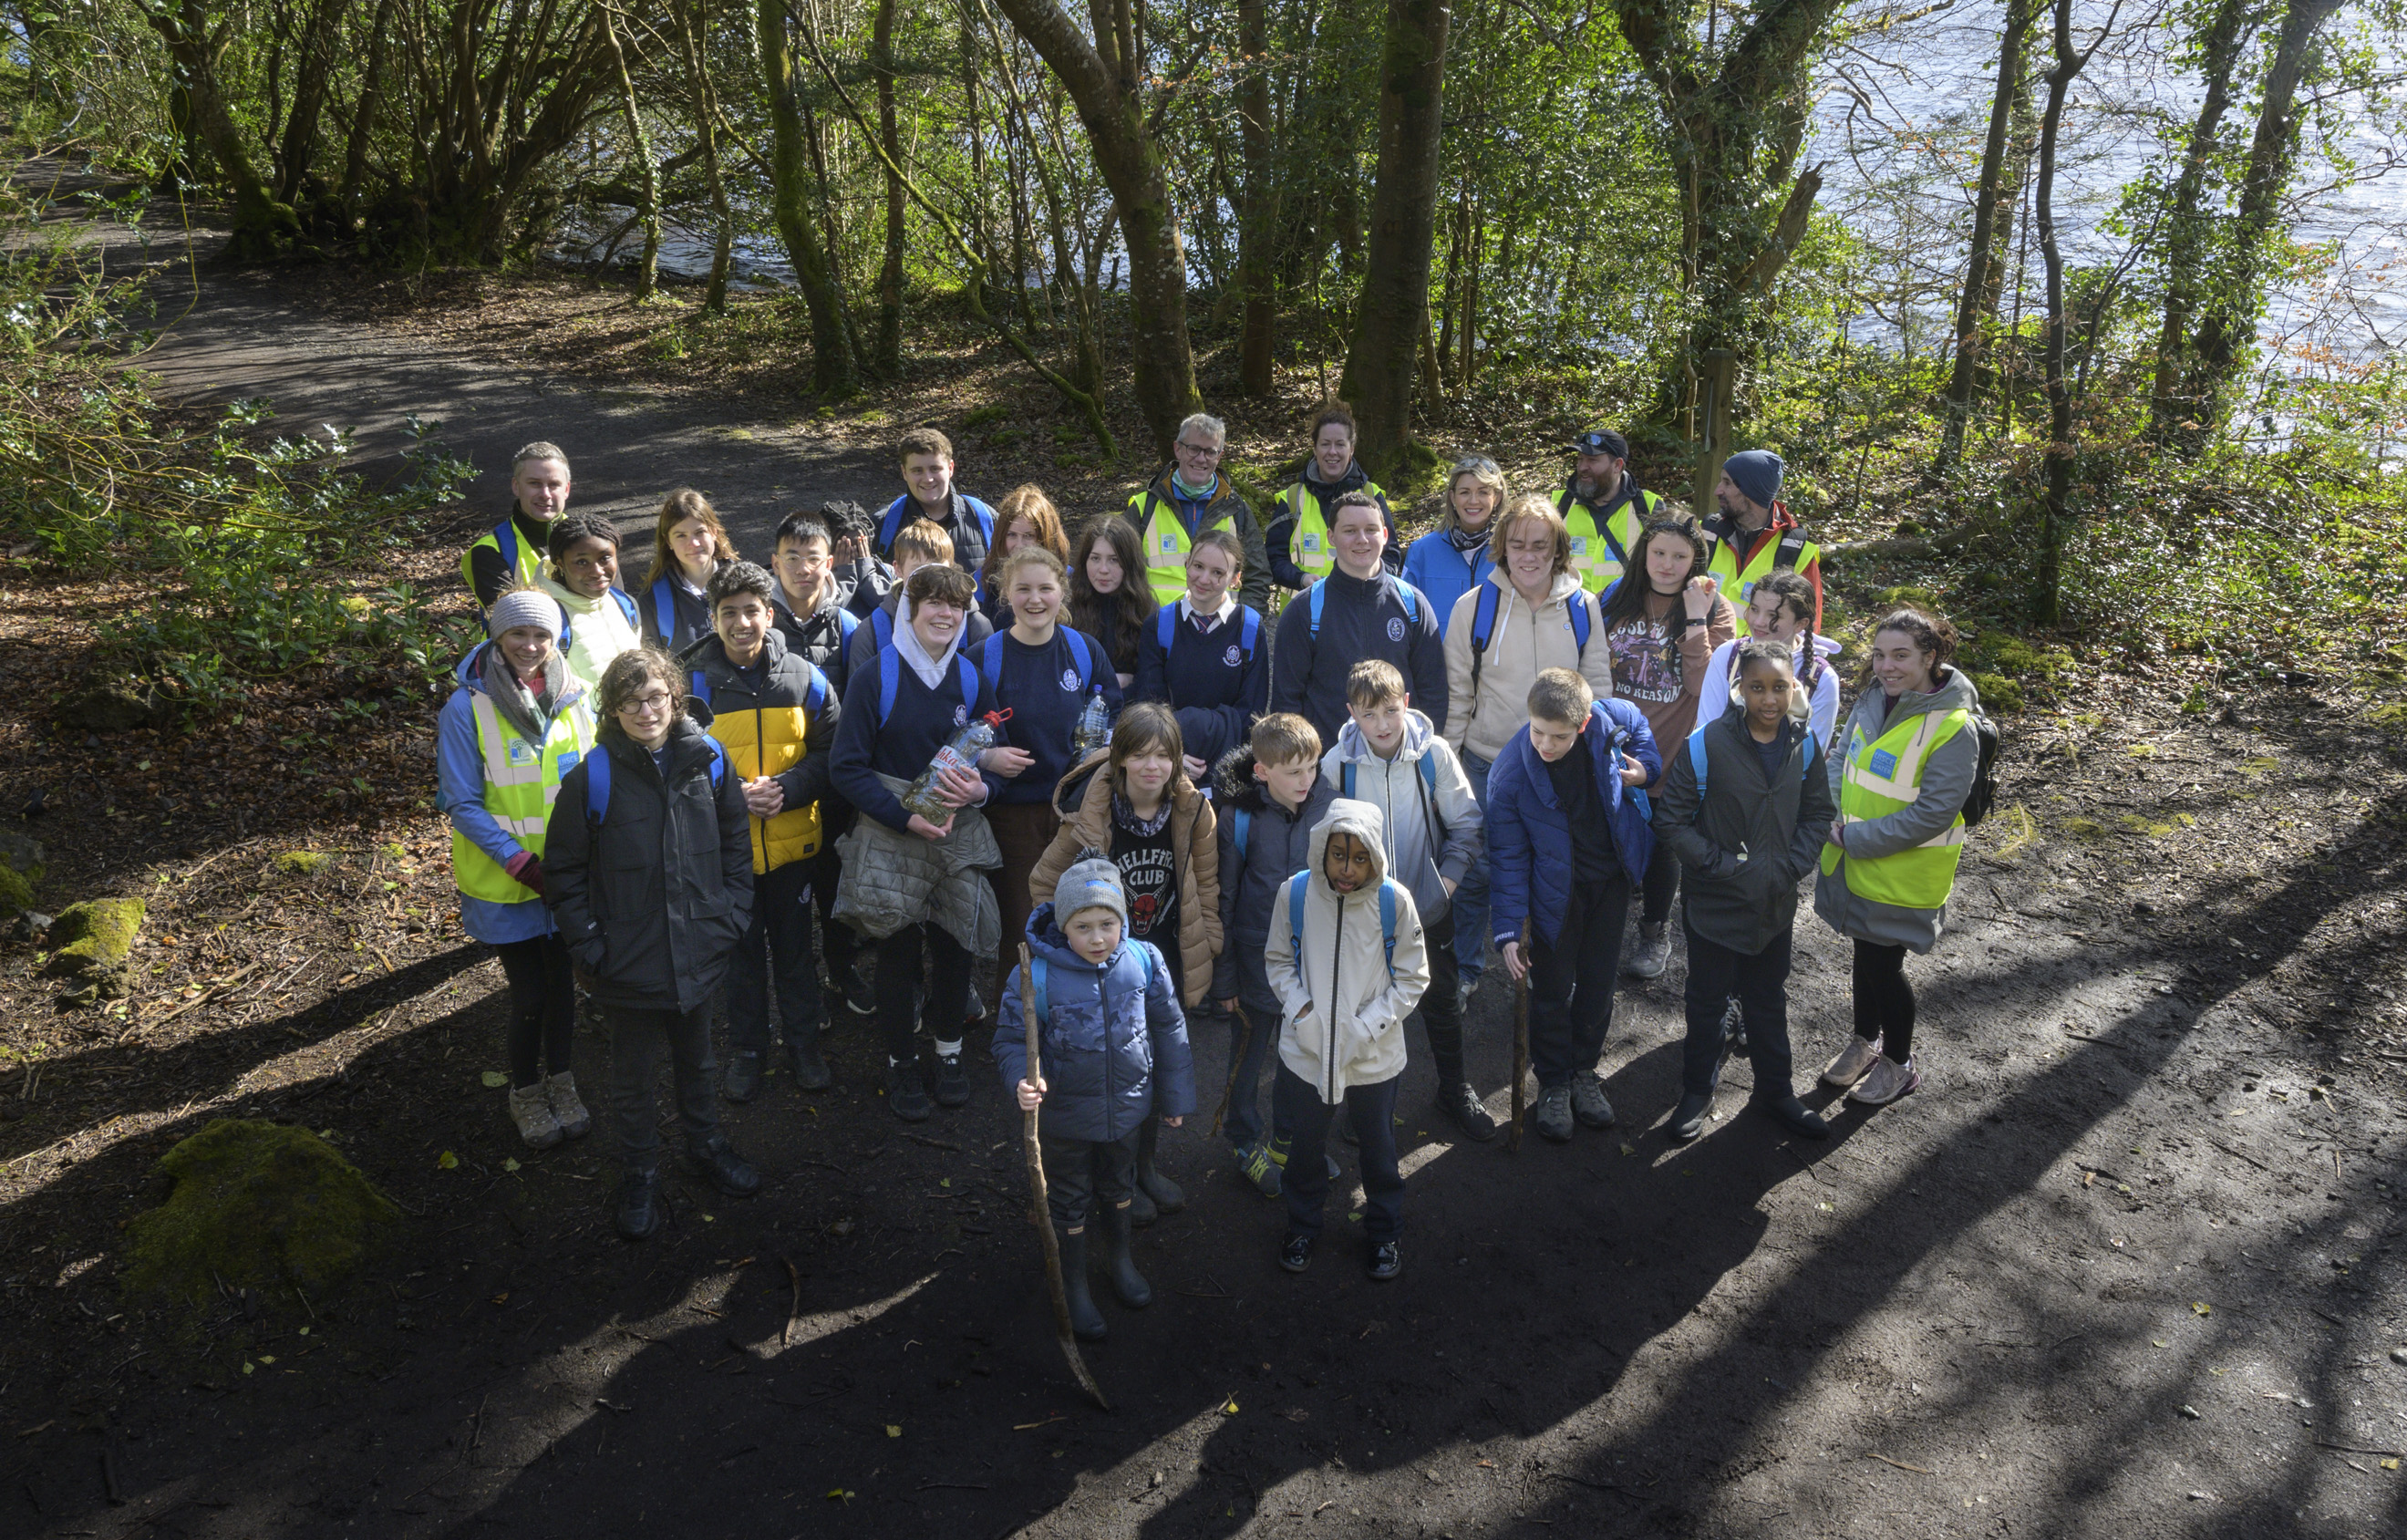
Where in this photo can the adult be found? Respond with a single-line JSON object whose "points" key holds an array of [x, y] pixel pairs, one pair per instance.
{"points": [[512, 553], [1528, 614], [1456, 557], [1911, 757], [1303, 519], [1663, 621], [1189, 496], [1361, 610], [1752, 532], [689, 545], [1603, 508], [517, 722], [926, 461]]}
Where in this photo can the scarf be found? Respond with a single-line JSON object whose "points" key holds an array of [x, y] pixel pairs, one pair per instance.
{"points": [[529, 712], [1466, 540], [1125, 816]]}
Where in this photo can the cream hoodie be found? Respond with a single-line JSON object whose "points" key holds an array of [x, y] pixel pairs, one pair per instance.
{"points": [[1343, 987], [1525, 641], [598, 631]]}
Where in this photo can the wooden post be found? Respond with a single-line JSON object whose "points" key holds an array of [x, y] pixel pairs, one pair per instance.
{"points": [[1716, 378], [1244, 1043], [1037, 1212]]}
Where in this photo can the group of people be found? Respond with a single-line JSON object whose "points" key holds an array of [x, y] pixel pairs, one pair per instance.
{"points": [[986, 773]]}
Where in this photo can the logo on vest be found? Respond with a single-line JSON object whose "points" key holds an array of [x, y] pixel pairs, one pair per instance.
{"points": [[1579, 546], [1395, 628], [1883, 764], [521, 753], [1070, 680], [1233, 657], [1311, 542], [1169, 543]]}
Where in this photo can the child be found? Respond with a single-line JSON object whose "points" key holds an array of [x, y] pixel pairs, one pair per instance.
{"points": [[1780, 609], [1025, 517], [1663, 620], [1268, 793], [510, 554], [653, 812], [1567, 845], [1109, 598], [1745, 805], [1115, 1060], [689, 546], [1388, 756], [926, 458], [516, 725], [776, 717], [1304, 519], [1158, 830], [917, 887], [815, 618], [1452, 559], [1204, 655], [584, 577], [919, 544], [1349, 969]]}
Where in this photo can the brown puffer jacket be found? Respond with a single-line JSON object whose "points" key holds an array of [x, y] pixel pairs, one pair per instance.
{"points": [[1084, 802]]}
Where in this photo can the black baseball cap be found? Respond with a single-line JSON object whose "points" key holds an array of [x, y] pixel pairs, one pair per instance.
{"points": [[1602, 441]]}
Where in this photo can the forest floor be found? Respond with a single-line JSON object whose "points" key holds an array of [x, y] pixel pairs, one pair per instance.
{"points": [[2128, 1264]]}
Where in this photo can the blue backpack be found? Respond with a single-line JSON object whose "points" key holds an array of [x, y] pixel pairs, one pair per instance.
{"points": [[1037, 981], [1406, 595], [1697, 757], [1483, 627], [664, 607], [890, 680], [889, 524], [1295, 891], [815, 695], [597, 779], [1428, 776], [1249, 619]]}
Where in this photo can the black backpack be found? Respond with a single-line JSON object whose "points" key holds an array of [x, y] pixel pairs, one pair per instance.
{"points": [[1982, 800]]}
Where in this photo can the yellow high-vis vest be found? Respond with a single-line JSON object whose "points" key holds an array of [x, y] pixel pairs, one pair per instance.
{"points": [[524, 560], [1166, 544], [1307, 545], [1791, 550], [521, 781], [1599, 555], [1883, 776]]}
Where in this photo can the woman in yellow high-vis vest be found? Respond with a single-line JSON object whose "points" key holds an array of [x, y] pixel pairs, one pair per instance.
{"points": [[519, 721], [1906, 759]]}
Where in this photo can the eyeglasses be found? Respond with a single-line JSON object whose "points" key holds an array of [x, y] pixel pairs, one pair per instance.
{"points": [[1201, 451], [647, 704]]}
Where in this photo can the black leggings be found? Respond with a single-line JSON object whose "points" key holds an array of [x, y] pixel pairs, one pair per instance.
{"points": [[1661, 885], [543, 1006], [1883, 1000]]}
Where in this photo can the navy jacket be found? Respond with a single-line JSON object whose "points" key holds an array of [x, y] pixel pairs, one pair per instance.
{"points": [[1041, 687], [687, 614], [1358, 620], [903, 744], [1214, 684], [1530, 838], [1276, 845], [1113, 1041]]}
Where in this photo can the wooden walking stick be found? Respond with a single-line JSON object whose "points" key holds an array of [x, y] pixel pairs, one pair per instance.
{"points": [[1520, 1038], [1037, 1211], [1236, 1061]]}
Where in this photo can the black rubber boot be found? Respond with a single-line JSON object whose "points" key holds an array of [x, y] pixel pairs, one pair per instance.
{"points": [[1150, 1183], [1085, 1321], [1126, 1282]]}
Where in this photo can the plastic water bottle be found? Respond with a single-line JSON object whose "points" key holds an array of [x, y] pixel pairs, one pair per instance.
{"points": [[1093, 733], [960, 753]]}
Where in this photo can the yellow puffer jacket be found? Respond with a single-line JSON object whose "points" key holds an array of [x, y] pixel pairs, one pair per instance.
{"points": [[781, 727]]}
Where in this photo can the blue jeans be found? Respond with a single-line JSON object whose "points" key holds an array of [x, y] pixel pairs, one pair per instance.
{"points": [[1471, 898]]}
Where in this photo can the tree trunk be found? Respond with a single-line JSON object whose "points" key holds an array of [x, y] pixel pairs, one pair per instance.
{"points": [[1102, 76], [1989, 202], [886, 354], [1258, 215], [834, 370], [692, 26], [2188, 229], [311, 72], [363, 111], [263, 227], [648, 208], [1390, 315]]}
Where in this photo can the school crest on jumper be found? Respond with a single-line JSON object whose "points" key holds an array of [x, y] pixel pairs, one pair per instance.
{"points": [[1070, 680], [1395, 628], [1232, 657]]}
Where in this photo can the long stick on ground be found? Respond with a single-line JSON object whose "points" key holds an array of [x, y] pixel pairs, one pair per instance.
{"points": [[1245, 1045], [1520, 1038], [1038, 1213]]}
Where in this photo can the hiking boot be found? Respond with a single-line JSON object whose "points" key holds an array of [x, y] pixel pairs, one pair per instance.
{"points": [[560, 1091], [1085, 1321], [1463, 990], [1120, 1267], [1386, 1259], [1793, 1115], [1588, 1104], [724, 1169], [802, 1062], [1295, 1252], [743, 1080], [952, 1081], [1688, 1118], [1165, 1195], [530, 1109], [1886, 1081], [1461, 1108], [906, 1091], [1264, 1168], [635, 1206], [1653, 953], [1552, 1115], [859, 996], [1854, 1063]]}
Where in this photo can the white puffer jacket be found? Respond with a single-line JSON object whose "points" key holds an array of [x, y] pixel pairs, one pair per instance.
{"points": [[1346, 1000]]}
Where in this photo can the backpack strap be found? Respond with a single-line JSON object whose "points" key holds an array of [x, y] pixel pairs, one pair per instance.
{"points": [[1250, 629], [505, 540], [889, 523], [718, 762], [1166, 625], [1295, 890], [847, 622], [1578, 607], [597, 786], [991, 666], [985, 517], [1483, 629], [1037, 979], [1244, 823], [1319, 591], [814, 692], [1697, 762], [1408, 596], [1387, 921], [1345, 779], [699, 683], [1085, 659], [1792, 546], [1428, 773], [890, 680], [664, 607], [627, 607], [969, 683]]}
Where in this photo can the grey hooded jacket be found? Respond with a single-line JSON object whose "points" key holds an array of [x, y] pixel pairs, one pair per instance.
{"points": [[1947, 778]]}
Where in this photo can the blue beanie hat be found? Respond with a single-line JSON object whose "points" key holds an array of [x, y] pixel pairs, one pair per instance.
{"points": [[1755, 473]]}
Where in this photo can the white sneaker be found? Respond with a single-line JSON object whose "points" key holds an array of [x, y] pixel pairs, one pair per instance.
{"points": [[530, 1109], [560, 1091], [1854, 1063], [1886, 1082]]}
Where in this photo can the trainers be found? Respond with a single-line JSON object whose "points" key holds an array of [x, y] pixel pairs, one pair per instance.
{"points": [[811, 1071], [1267, 1172], [1793, 1115], [1295, 1252], [1653, 953], [1853, 1064], [635, 1206], [906, 1091], [530, 1109], [1552, 1115], [1688, 1118], [560, 1091], [1463, 990], [1460, 1106], [952, 1081], [1386, 1259], [724, 1169], [1886, 1081], [1588, 1104], [859, 995], [743, 1080]]}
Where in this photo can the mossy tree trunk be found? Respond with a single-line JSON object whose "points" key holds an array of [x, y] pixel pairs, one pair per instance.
{"points": [[835, 371]]}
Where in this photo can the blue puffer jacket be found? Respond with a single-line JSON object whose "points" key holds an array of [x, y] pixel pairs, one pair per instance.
{"points": [[1113, 1042], [1530, 838], [1445, 573]]}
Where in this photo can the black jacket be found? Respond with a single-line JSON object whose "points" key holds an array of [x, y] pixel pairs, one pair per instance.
{"points": [[653, 902], [1358, 620], [1780, 824]]}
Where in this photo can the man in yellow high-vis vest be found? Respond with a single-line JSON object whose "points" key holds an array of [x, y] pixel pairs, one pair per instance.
{"points": [[511, 554], [1751, 533], [1187, 497], [1603, 508]]}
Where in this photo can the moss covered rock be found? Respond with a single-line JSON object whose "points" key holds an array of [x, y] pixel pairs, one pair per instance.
{"points": [[303, 862], [95, 937], [260, 1205], [16, 893]]}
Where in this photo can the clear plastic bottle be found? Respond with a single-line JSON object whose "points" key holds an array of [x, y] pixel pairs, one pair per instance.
{"points": [[961, 753], [1093, 733]]}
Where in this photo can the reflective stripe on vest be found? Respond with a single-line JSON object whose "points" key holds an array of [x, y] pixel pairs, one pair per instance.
{"points": [[1599, 555], [1883, 776], [1738, 583], [1307, 544], [524, 560], [1166, 544], [521, 781]]}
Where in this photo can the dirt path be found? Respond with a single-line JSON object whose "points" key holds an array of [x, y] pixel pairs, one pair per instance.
{"points": [[2130, 1264]]}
